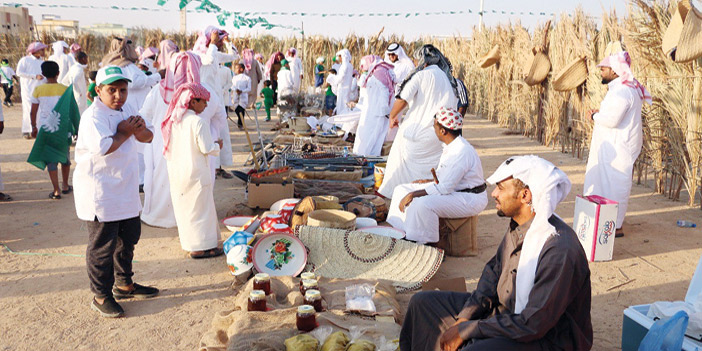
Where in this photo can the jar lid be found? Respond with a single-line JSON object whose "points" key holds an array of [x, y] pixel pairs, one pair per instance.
{"points": [[309, 282], [257, 294], [308, 275], [313, 294], [305, 309], [262, 276]]}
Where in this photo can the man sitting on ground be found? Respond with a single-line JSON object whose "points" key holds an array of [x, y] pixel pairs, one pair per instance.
{"points": [[534, 294]]}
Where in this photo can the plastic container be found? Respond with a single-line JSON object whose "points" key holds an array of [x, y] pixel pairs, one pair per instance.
{"points": [[306, 320], [262, 281], [257, 301], [314, 299], [686, 224]]}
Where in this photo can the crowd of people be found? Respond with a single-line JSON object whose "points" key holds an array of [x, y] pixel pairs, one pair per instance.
{"points": [[157, 118]]}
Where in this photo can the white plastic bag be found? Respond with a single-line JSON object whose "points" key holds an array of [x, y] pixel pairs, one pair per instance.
{"points": [[359, 298]]}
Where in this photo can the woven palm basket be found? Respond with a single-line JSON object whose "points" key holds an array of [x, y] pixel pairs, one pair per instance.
{"points": [[492, 57], [338, 253], [537, 68], [332, 219], [570, 77]]}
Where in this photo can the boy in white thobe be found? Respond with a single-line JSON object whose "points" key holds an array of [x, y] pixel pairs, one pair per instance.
{"points": [[457, 192], [617, 136], [76, 77], [29, 71], [241, 86], [188, 145]]}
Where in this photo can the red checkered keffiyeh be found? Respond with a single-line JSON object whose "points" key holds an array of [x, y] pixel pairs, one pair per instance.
{"points": [[449, 118]]}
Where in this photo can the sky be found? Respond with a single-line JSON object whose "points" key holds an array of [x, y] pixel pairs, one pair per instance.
{"points": [[337, 27]]}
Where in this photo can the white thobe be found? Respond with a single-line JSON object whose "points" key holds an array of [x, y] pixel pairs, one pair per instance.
{"points": [[224, 75], [28, 68], [416, 149], [286, 84], [459, 168], [216, 118], [402, 70], [296, 70], [617, 138], [65, 63], [192, 187], [241, 82], [373, 126], [256, 75], [76, 77], [343, 80], [139, 87], [158, 207]]}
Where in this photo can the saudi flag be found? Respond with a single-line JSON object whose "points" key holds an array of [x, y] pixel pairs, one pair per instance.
{"points": [[54, 137]]}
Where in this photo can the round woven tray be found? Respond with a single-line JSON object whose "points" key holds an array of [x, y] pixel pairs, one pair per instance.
{"points": [[332, 219]]}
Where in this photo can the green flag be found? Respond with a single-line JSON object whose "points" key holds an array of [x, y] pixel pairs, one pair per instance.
{"points": [[54, 137]]}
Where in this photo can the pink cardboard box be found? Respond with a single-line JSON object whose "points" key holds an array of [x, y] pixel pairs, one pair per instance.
{"points": [[595, 223]]}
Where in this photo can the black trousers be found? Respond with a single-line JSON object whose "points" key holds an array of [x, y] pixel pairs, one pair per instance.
{"points": [[110, 252], [7, 88], [240, 112], [431, 313], [274, 86]]}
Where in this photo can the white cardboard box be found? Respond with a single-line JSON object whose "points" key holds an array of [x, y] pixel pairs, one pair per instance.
{"points": [[636, 322], [595, 223]]}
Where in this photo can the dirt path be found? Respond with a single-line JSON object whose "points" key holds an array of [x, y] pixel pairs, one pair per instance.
{"points": [[44, 297]]}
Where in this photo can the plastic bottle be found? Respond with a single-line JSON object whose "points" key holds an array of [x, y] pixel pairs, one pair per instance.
{"points": [[346, 151], [686, 224]]}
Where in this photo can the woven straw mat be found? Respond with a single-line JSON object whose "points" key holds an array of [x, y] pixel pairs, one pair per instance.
{"points": [[337, 253]]}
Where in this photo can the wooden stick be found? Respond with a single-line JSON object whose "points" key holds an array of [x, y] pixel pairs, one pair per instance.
{"points": [[620, 285], [248, 138], [433, 173]]}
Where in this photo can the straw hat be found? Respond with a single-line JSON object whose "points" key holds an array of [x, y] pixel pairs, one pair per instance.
{"points": [[337, 253], [613, 47], [332, 219], [570, 77], [537, 68], [492, 57], [682, 41]]}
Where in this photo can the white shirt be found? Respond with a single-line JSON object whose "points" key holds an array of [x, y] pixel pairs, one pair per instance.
{"points": [[241, 82], [105, 186], [140, 85], [28, 68], [331, 80], [296, 69], [619, 119], [285, 82], [9, 72], [459, 168], [76, 76]]}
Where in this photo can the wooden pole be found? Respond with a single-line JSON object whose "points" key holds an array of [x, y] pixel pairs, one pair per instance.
{"points": [[248, 138]]}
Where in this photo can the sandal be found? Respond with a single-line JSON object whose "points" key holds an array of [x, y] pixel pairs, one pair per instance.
{"points": [[206, 253], [67, 191], [54, 196], [5, 197]]}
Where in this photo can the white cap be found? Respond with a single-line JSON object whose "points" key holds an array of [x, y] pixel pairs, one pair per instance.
{"points": [[109, 75]]}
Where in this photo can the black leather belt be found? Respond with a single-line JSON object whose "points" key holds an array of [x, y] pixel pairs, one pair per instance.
{"points": [[476, 190]]}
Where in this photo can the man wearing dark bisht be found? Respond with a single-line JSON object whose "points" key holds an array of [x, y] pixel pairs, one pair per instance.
{"points": [[534, 294]]}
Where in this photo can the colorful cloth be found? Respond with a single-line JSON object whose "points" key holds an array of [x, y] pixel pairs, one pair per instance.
{"points": [[92, 92], [75, 47], [275, 58], [183, 68], [382, 71], [57, 124], [449, 118], [247, 58], [121, 53], [268, 94], [35, 46], [203, 39], [318, 75], [429, 55], [167, 48], [621, 65], [178, 107]]}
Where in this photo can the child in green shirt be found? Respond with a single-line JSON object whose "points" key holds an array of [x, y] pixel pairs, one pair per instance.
{"points": [[92, 93], [267, 95]]}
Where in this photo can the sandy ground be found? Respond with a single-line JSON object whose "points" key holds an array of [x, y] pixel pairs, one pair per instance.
{"points": [[44, 295]]}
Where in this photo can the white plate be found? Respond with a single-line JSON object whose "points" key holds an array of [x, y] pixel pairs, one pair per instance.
{"points": [[239, 259], [236, 223], [278, 205], [292, 261], [365, 222], [384, 231]]}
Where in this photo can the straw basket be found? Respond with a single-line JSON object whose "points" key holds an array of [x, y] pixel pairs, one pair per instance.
{"points": [[570, 77], [332, 219], [309, 204], [537, 68], [299, 124], [682, 40], [613, 47], [492, 57]]}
